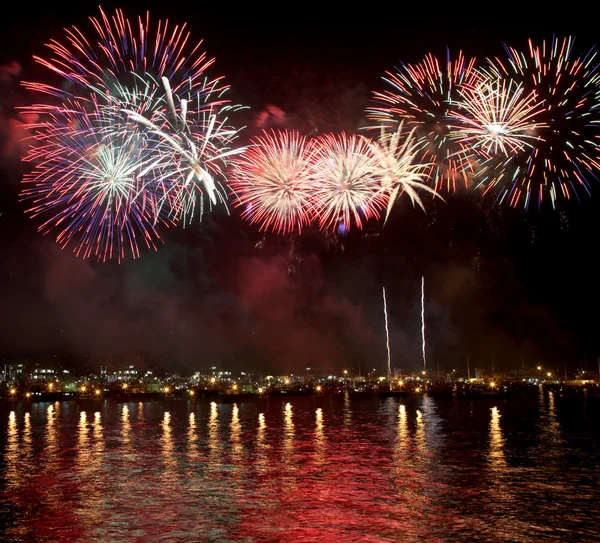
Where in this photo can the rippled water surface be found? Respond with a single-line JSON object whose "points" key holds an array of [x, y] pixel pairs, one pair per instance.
{"points": [[323, 469]]}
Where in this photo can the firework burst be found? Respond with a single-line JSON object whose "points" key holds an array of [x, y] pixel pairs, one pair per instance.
{"points": [[496, 118], [562, 161], [93, 184], [396, 169], [421, 96], [150, 81], [273, 181], [347, 189], [124, 60], [196, 142]]}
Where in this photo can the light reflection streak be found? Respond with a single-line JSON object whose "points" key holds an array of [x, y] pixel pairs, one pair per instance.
{"points": [[347, 412], [192, 440], [287, 452], [496, 451], [83, 449], [167, 448], [320, 440], [237, 448], [261, 445], [550, 434], [403, 440], [12, 455], [502, 502], [125, 428], [214, 440]]}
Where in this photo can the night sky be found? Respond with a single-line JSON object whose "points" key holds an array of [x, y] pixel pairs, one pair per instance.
{"points": [[502, 283]]}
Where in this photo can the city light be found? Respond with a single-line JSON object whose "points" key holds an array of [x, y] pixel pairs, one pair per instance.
{"points": [[83, 389], [191, 392], [97, 392]]}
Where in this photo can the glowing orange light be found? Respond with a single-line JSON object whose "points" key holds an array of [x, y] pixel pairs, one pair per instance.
{"points": [[97, 392], [82, 389], [12, 390], [28, 394], [234, 387], [212, 379], [319, 388], [191, 392], [260, 390], [50, 386]]}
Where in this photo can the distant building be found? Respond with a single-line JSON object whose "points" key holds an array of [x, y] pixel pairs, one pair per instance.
{"points": [[43, 374]]}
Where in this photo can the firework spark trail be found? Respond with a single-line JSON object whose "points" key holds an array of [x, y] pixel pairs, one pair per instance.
{"points": [[420, 96], [423, 321], [387, 335]]}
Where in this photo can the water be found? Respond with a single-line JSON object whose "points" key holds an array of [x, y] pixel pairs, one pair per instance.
{"points": [[306, 469]]}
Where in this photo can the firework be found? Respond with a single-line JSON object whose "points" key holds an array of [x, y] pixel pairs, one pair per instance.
{"points": [[124, 60], [195, 140], [273, 180], [565, 157], [421, 96], [496, 118], [347, 189], [151, 81], [93, 184], [396, 168]]}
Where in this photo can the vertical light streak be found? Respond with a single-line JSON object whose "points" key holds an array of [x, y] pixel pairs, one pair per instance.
{"points": [[237, 448], [423, 321], [387, 335]]}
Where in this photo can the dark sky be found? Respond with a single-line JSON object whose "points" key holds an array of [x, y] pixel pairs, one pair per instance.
{"points": [[500, 283]]}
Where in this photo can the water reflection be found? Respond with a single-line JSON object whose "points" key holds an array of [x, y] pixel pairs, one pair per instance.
{"points": [[347, 412], [12, 455], [496, 452], [192, 438], [214, 439], [125, 428], [167, 448], [288, 438], [261, 445], [303, 474], [320, 443], [403, 440], [237, 448]]}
